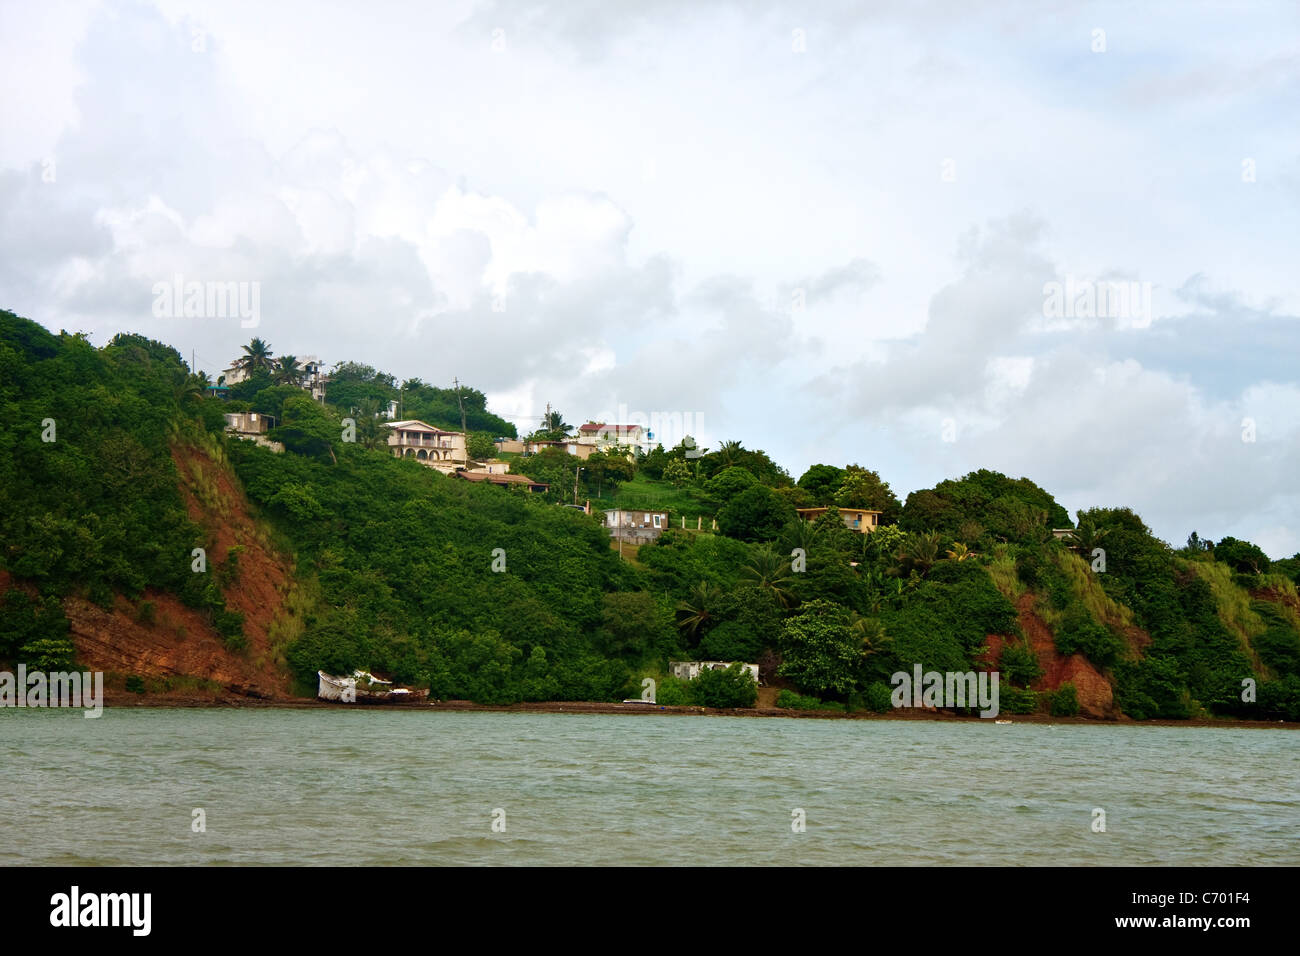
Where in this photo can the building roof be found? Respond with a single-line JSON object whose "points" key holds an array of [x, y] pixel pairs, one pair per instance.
{"points": [[500, 479], [602, 426], [865, 511], [415, 424]]}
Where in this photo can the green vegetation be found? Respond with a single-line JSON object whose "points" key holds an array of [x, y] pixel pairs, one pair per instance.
{"points": [[497, 595]]}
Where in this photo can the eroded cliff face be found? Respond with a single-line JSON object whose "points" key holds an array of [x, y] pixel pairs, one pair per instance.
{"points": [[176, 641], [1095, 693]]}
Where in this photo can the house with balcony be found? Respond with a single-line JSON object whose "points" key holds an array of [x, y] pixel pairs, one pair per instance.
{"points": [[314, 377], [862, 520], [428, 444]]}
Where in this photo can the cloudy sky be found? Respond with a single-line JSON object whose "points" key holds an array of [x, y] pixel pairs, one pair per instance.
{"points": [[823, 230]]}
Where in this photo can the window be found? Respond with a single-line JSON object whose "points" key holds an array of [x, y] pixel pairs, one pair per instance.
{"points": [[658, 518]]}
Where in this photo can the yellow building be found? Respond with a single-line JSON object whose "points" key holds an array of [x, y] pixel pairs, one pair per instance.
{"points": [[862, 520]]}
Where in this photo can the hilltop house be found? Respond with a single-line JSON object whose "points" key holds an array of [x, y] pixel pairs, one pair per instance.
{"points": [[568, 445], [637, 526], [602, 435], [314, 378], [428, 444], [862, 520], [252, 426]]}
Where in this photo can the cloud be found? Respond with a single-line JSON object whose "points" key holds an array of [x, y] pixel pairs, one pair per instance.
{"points": [[671, 208]]}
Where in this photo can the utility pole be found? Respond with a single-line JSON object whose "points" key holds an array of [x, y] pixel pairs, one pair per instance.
{"points": [[576, 472], [456, 382]]}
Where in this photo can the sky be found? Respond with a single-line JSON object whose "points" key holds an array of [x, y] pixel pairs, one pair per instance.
{"points": [[840, 232]]}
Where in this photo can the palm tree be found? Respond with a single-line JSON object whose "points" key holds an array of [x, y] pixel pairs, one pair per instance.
{"points": [[287, 371], [769, 571], [869, 631], [801, 534], [256, 357], [958, 552], [370, 431], [555, 425], [699, 608], [1088, 536], [187, 387], [728, 454], [919, 553]]}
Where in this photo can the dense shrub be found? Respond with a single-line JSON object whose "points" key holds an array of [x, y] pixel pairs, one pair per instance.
{"points": [[1065, 701], [730, 687]]}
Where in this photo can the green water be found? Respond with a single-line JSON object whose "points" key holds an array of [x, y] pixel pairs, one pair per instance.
{"points": [[419, 787]]}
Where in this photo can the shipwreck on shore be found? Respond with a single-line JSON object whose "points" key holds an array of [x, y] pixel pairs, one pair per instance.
{"points": [[364, 687]]}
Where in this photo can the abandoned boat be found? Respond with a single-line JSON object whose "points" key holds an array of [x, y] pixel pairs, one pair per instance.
{"points": [[364, 687]]}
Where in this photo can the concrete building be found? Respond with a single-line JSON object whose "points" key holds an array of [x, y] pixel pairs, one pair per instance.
{"points": [[428, 444], [689, 670], [637, 526], [862, 520], [602, 435], [253, 426]]}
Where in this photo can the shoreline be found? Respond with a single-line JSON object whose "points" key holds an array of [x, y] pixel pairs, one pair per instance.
{"points": [[657, 710]]}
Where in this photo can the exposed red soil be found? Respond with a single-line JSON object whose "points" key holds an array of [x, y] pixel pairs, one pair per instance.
{"points": [[180, 642], [1096, 697]]}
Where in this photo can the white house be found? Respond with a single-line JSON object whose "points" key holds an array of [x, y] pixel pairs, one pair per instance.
{"points": [[689, 670]]}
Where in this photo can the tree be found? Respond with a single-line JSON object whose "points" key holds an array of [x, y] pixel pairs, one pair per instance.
{"points": [[481, 446], [729, 482], [677, 471], [822, 482], [732, 686], [769, 571], [308, 428], [919, 553], [698, 610], [371, 433], [554, 427], [606, 468], [756, 514], [821, 651], [652, 464], [1242, 556], [256, 358], [1088, 536], [863, 488], [287, 371]]}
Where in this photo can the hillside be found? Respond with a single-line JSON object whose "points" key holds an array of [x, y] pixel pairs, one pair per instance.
{"points": [[335, 555]]}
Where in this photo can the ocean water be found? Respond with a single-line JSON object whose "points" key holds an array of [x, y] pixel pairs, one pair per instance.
{"points": [[419, 787]]}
